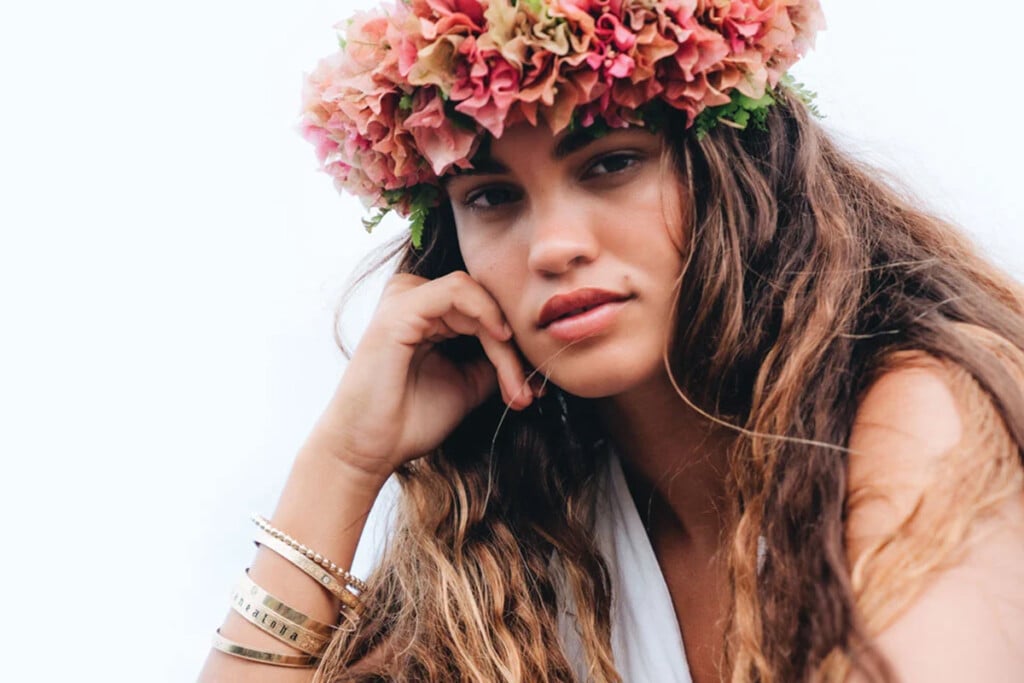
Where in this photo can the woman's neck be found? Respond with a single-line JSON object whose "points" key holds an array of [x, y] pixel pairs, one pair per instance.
{"points": [[674, 460]]}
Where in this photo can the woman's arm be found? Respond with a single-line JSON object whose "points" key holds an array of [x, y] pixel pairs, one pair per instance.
{"points": [[398, 399], [935, 533], [324, 505]]}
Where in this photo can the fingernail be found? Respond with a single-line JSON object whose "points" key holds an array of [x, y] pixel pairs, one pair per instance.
{"points": [[507, 330]]}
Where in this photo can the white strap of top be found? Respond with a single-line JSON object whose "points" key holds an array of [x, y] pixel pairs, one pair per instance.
{"points": [[646, 641]]}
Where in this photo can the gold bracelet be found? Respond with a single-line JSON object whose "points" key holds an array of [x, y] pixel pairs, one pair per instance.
{"points": [[255, 593], [232, 648], [322, 576], [345, 576], [283, 629]]}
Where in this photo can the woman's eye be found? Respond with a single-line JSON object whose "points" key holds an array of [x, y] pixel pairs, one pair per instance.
{"points": [[612, 163], [491, 197]]}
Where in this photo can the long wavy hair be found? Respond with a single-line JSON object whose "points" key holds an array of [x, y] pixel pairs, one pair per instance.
{"points": [[805, 277]]}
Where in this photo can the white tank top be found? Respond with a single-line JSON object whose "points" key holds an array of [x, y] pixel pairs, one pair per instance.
{"points": [[646, 641]]}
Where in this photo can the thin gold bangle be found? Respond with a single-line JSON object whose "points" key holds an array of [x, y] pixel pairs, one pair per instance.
{"points": [[255, 593], [322, 576], [229, 647], [348, 578], [285, 630]]}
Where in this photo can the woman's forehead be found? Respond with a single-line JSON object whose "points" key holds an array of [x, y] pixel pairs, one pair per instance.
{"points": [[572, 137]]}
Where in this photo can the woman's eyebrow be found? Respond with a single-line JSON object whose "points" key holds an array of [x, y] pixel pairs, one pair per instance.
{"points": [[483, 166], [487, 165], [572, 142]]}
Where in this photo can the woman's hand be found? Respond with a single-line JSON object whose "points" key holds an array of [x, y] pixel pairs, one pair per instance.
{"points": [[400, 397]]}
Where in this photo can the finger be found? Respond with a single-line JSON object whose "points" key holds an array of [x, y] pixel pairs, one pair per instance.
{"points": [[511, 377], [503, 355], [511, 374], [449, 328], [460, 323], [505, 362], [458, 291], [455, 324]]}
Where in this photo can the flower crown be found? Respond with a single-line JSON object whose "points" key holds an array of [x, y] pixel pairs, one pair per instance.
{"points": [[417, 85]]}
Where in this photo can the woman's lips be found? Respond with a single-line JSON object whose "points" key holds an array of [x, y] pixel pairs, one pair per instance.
{"points": [[591, 322]]}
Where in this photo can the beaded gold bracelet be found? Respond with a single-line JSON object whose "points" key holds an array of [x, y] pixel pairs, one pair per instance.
{"points": [[315, 571], [345, 576]]}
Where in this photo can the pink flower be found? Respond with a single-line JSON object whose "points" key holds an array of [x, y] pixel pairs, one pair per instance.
{"points": [[443, 144], [610, 30], [740, 21], [609, 44], [472, 10], [808, 19], [485, 87], [792, 35]]}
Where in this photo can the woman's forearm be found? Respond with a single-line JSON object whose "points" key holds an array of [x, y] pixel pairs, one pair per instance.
{"points": [[324, 505], [399, 398]]}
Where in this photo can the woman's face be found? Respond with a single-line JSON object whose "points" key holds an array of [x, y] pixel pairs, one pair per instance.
{"points": [[580, 241]]}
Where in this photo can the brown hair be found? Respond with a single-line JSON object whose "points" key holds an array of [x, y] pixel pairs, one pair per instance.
{"points": [[806, 277]]}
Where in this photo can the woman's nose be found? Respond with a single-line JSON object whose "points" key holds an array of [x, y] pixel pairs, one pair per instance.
{"points": [[561, 237]]}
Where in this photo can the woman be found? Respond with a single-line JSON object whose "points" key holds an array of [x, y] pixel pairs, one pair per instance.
{"points": [[674, 389]]}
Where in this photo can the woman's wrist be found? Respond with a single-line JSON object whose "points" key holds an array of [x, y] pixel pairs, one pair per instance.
{"points": [[319, 517], [325, 450]]}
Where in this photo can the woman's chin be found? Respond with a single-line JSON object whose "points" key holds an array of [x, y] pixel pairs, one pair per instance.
{"points": [[588, 380]]}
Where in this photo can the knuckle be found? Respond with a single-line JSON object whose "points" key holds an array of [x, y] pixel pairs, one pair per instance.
{"points": [[459, 279], [465, 293], [399, 282]]}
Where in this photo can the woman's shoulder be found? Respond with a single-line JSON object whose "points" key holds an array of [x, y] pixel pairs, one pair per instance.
{"points": [[935, 514], [922, 412], [911, 411], [925, 425]]}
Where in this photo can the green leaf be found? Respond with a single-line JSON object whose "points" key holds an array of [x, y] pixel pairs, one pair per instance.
{"points": [[703, 124], [374, 220], [416, 229], [750, 103], [760, 118], [423, 198], [405, 102], [806, 95], [741, 112], [392, 197]]}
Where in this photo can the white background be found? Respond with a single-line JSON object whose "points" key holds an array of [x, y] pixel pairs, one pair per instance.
{"points": [[170, 261]]}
